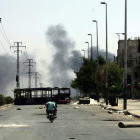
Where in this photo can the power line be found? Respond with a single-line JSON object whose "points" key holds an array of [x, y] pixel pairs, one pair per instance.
{"points": [[5, 35], [3, 47], [2, 53], [6, 51]]}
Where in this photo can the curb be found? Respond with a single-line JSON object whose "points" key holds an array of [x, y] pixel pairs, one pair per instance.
{"points": [[124, 111]]}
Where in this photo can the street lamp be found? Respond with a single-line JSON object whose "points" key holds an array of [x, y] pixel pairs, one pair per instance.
{"points": [[125, 61], [119, 35], [97, 41], [81, 60], [97, 58], [84, 53], [88, 49], [106, 57], [91, 45]]}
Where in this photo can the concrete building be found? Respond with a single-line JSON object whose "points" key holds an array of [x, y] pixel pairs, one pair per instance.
{"points": [[133, 65]]}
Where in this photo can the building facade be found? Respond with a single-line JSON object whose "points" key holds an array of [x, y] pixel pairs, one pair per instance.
{"points": [[133, 65]]}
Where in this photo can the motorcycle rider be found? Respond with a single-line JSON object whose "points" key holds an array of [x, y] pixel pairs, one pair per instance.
{"points": [[55, 110], [50, 106]]}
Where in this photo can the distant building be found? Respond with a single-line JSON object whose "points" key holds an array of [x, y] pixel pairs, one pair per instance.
{"points": [[133, 65]]}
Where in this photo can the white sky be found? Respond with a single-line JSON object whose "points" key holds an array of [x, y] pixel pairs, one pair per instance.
{"points": [[27, 21]]}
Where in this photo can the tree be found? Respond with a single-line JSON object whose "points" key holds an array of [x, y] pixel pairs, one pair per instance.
{"points": [[1, 99], [101, 60], [101, 78], [8, 99], [86, 77], [114, 79]]}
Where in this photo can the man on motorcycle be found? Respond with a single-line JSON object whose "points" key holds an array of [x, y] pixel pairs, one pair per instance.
{"points": [[55, 110], [50, 106]]}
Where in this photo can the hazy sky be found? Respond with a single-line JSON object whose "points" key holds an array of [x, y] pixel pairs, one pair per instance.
{"points": [[27, 21]]}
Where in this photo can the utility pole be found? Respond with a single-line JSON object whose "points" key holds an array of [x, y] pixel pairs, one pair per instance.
{"points": [[36, 74], [106, 56], [29, 62], [17, 76], [125, 61]]}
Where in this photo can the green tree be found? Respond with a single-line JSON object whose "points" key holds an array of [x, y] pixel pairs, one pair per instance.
{"points": [[114, 79], [8, 99], [1, 99], [86, 77], [101, 60]]}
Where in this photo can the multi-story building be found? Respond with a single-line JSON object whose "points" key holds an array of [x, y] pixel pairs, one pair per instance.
{"points": [[133, 65]]}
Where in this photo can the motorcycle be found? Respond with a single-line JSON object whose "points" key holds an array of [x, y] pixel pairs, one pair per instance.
{"points": [[51, 116]]}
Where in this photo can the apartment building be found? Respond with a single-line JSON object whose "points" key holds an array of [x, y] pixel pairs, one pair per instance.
{"points": [[133, 65]]}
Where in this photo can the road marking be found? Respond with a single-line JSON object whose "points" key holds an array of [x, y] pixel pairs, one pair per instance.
{"points": [[62, 126], [14, 125]]}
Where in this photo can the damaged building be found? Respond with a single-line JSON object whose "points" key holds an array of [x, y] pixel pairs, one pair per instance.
{"points": [[133, 65]]}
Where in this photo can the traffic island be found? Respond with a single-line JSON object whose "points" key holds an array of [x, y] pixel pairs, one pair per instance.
{"points": [[128, 124]]}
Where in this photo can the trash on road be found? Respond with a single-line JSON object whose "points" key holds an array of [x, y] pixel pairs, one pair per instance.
{"points": [[76, 107], [18, 108], [129, 115], [110, 112], [118, 112], [108, 108], [40, 107]]}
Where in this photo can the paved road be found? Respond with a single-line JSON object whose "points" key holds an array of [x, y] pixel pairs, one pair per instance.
{"points": [[85, 123]]}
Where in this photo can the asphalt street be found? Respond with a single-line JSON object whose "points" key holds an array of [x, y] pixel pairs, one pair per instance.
{"points": [[84, 123]]}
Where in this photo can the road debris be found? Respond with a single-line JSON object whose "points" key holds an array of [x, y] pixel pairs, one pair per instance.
{"points": [[40, 107], [128, 124], [76, 107], [110, 112], [18, 108]]}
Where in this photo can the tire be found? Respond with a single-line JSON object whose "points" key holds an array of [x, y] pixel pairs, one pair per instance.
{"points": [[51, 118]]}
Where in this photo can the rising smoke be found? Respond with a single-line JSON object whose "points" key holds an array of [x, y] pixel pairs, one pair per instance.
{"points": [[60, 66], [65, 58], [8, 71], [65, 61]]}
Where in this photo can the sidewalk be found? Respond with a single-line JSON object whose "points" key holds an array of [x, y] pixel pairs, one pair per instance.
{"points": [[133, 106], [6, 106]]}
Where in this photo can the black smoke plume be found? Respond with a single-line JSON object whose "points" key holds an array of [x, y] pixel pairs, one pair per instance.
{"points": [[8, 72], [65, 58]]}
